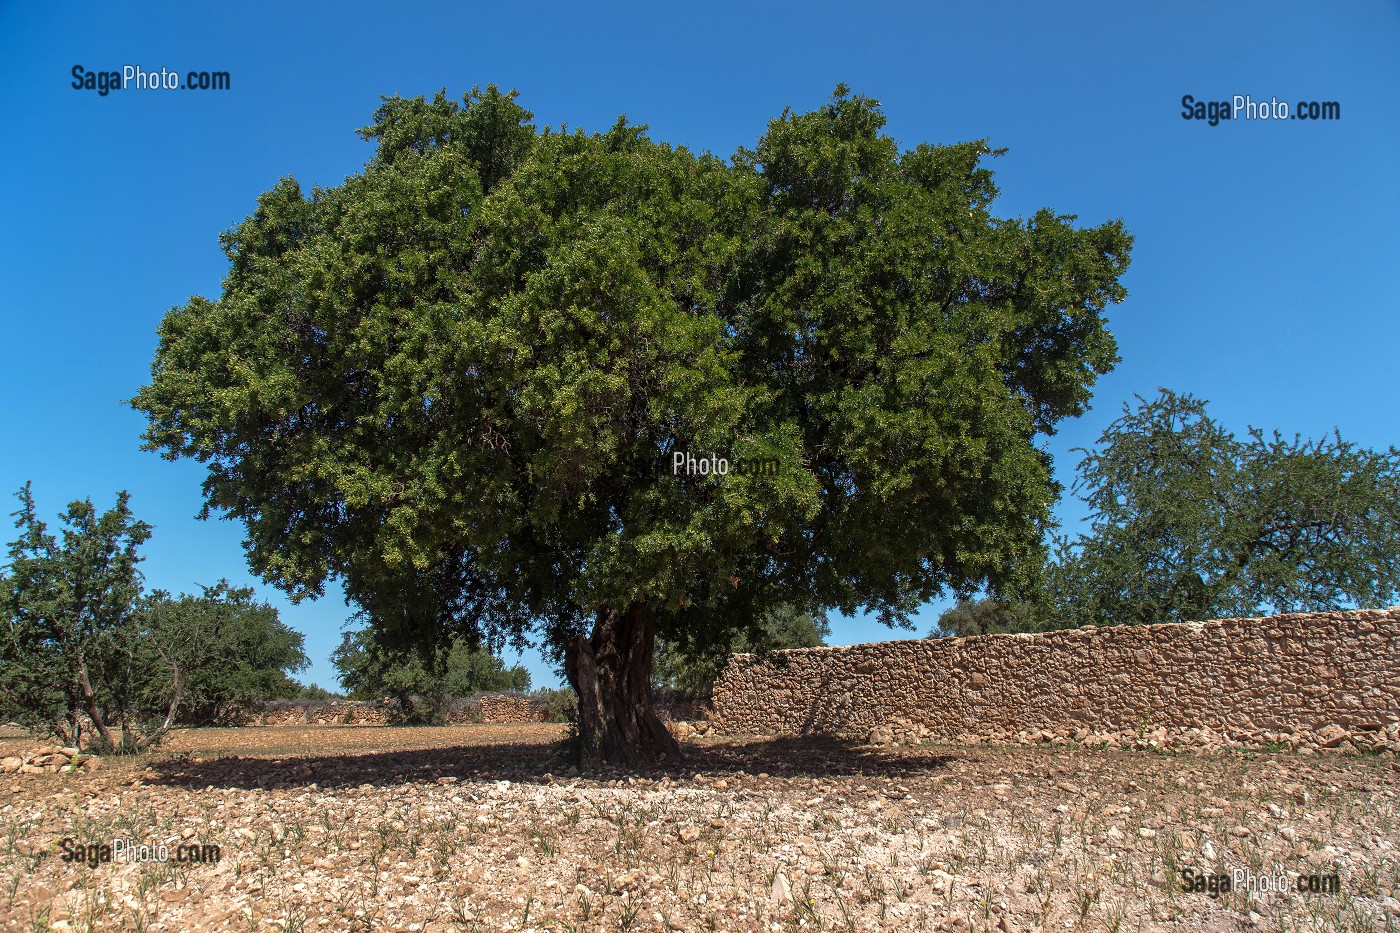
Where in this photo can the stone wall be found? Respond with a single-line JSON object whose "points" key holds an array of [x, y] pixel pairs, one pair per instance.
{"points": [[336, 712], [1302, 680], [496, 708], [502, 708]]}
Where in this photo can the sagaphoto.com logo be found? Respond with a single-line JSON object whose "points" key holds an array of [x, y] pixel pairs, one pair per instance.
{"points": [[1242, 107], [135, 77]]}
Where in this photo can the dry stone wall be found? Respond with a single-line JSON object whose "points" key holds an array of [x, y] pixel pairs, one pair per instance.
{"points": [[1308, 681], [504, 708], [496, 708]]}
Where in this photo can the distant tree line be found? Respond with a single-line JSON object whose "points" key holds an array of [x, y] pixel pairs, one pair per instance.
{"points": [[690, 666]]}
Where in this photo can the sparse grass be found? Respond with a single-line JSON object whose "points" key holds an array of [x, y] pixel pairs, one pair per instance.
{"points": [[897, 841]]}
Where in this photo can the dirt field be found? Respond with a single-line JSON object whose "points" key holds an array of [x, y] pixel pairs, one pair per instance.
{"points": [[483, 828]]}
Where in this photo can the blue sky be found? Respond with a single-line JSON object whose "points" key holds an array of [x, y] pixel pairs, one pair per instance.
{"points": [[1264, 277]]}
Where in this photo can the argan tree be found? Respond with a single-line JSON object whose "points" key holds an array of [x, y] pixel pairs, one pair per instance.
{"points": [[83, 649], [1191, 522], [245, 653], [455, 382], [422, 686]]}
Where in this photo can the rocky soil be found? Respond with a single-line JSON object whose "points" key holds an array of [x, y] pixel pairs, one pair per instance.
{"points": [[485, 828]]}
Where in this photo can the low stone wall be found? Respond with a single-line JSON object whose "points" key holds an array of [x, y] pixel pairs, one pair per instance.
{"points": [[495, 708], [1302, 680], [339, 712], [502, 708]]}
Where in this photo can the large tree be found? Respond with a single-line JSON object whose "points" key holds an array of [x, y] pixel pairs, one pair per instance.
{"points": [[457, 382], [1189, 521]]}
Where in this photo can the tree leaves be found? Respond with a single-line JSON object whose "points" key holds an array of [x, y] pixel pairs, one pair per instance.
{"points": [[1190, 522], [455, 382]]}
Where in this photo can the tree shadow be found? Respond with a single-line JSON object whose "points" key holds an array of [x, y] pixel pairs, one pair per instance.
{"points": [[539, 763]]}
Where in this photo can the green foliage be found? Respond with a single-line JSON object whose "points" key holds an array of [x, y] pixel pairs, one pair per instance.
{"points": [[455, 381], [987, 616], [83, 647], [560, 705], [692, 668], [249, 656], [71, 614], [422, 681], [1190, 522]]}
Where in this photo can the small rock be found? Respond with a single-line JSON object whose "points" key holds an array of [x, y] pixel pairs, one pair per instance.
{"points": [[782, 891], [1331, 735]]}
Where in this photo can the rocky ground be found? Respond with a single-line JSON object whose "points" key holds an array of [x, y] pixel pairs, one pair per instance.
{"points": [[485, 828]]}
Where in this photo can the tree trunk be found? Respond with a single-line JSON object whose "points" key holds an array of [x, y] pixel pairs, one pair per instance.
{"points": [[611, 671], [147, 741], [90, 705]]}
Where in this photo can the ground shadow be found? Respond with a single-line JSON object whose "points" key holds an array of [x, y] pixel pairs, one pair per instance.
{"points": [[804, 756]]}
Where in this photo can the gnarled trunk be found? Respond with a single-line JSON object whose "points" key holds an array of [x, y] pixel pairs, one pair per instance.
{"points": [[611, 672]]}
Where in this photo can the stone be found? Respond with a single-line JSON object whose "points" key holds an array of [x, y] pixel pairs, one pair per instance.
{"points": [[1331, 735], [781, 892], [11, 763]]}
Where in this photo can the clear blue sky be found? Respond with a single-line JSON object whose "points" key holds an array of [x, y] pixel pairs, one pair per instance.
{"points": [[1264, 277]]}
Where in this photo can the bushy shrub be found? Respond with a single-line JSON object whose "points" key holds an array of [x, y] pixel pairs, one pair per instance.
{"points": [[559, 705]]}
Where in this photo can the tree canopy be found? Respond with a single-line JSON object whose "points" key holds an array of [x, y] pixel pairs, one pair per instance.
{"points": [[456, 382], [1190, 522]]}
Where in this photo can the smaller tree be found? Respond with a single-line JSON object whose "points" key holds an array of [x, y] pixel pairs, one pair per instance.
{"points": [[422, 682], [987, 616], [81, 646], [70, 615], [1189, 522], [692, 667], [246, 657]]}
